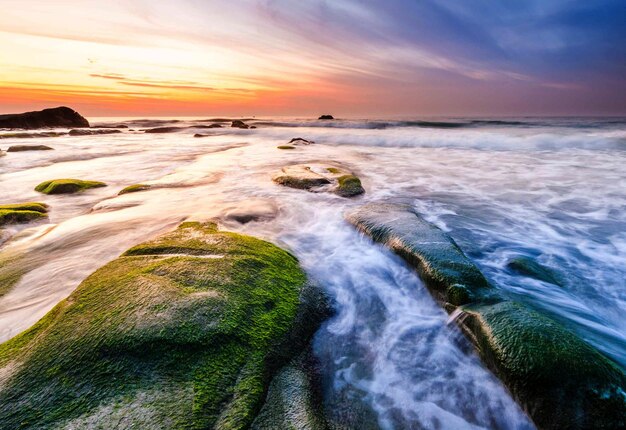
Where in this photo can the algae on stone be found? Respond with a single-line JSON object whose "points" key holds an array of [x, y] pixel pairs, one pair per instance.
{"points": [[286, 147], [184, 331], [67, 186], [559, 379], [22, 212], [134, 188], [528, 267], [320, 177]]}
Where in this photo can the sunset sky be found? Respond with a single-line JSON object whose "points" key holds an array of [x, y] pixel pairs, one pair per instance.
{"points": [[305, 57]]}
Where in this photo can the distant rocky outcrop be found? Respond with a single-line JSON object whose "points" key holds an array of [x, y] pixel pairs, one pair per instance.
{"points": [[240, 124], [54, 117], [326, 117], [82, 132]]}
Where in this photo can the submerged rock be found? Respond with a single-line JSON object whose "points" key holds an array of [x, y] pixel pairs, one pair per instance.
{"points": [[32, 135], [54, 117], [528, 267], [300, 140], [22, 148], [163, 130], [320, 177], [560, 380], [77, 132], [184, 331], [67, 186], [326, 117], [239, 124], [207, 126], [22, 212]]}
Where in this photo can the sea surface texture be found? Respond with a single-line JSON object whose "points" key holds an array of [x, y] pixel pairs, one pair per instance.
{"points": [[549, 191]]}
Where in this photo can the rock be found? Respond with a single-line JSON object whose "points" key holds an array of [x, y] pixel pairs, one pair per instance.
{"points": [[299, 140], [253, 126], [251, 210], [22, 212], [67, 186], [134, 189], [184, 331], [560, 380], [109, 126], [326, 117], [163, 130], [349, 186], [54, 117], [32, 135], [207, 126], [201, 135], [22, 148], [286, 147], [528, 267], [76, 132], [239, 124], [320, 177]]}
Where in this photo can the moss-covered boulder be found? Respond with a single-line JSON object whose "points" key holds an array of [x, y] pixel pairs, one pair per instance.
{"points": [[184, 331], [286, 147], [527, 266], [560, 380], [135, 188], [320, 178], [22, 212], [67, 186]]}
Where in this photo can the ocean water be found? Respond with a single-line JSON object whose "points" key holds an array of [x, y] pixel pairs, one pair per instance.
{"points": [[553, 190]]}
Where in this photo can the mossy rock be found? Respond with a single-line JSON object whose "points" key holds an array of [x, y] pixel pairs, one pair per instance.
{"points": [[23, 148], [67, 186], [349, 186], [134, 189], [529, 267], [184, 331], [286, 147], [22, 212], [320, 178], [560, 380]]}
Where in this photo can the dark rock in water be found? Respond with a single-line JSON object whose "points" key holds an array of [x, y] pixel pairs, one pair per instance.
{"points": [[21, 148], [349, 186], [109, 126], [32, 135], [22, 212], [300, 140], [184, 331], [253, 126], [207, 126], [531, 268], [560, 380], [326, 117], [54, 117], [239, 124], [163, 130], [67, 186], [319, 177], [201, 135], [77, 132]]}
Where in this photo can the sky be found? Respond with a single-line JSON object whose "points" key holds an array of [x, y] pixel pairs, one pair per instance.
{"points": [[352, 58]]}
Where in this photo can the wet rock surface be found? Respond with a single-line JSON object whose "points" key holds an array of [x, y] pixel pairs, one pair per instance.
{"points": [[560, 380], [22, 148], [184, 331], [54, 117], [318, 177]]}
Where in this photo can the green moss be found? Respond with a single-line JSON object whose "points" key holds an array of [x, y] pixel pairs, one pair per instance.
{"points": [[134, 188], [286, 147], [560, 380], [22, 212], [334, 170], [184, 331], [348, 186], [67, 186]]}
